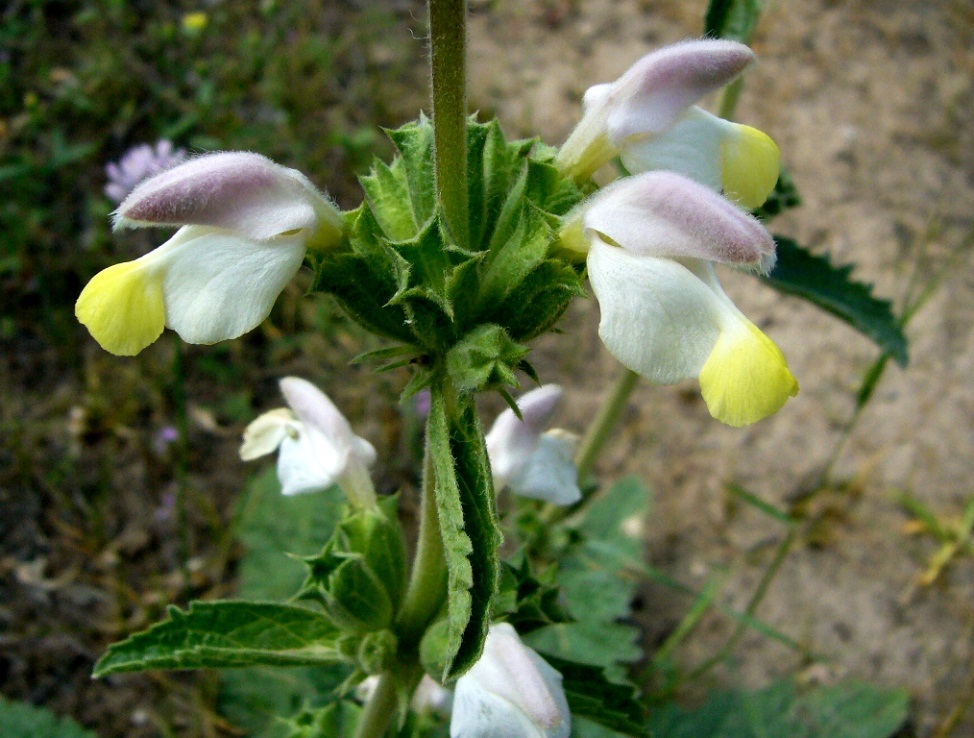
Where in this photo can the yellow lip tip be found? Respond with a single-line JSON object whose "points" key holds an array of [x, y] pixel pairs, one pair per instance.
{"points": [[746, 378], [123, 308], [750, 164]]}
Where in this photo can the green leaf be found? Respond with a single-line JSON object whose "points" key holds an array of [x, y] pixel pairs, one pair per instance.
{"points": [[526, 600], [364, 279], [814, 278], [415, 144], [468, 525], [783, 197], [228, 634], [484, 359], [591, 695], [387, 193], [23, 720], [511, 261], [271, 527], [851, 710], [360, 575], [733, 19], [337, 720], [598, 576], [536, 304], [276, 530]]}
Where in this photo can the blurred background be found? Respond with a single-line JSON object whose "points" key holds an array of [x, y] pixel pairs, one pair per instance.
{"points": [[120, 486]]}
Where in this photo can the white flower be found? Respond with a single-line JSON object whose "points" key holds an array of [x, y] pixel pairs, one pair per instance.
{"points": [[651, 241], [510, 692], [648, 117], [247, 223], [532, 462], [317, 447]]}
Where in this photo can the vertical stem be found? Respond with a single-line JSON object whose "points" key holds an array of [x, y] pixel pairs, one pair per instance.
{"points": [[379, 710], [448, 61], [427, 583], [729, 98], [598, 432]]}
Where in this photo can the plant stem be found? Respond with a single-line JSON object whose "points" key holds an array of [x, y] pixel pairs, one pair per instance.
{"points": [[598, 432], [379, 710], [448, 61], [762, 589], [427, 583]]}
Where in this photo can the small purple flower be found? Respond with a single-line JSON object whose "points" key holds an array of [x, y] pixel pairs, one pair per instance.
{"points": [[164, 438], [137, 164]]}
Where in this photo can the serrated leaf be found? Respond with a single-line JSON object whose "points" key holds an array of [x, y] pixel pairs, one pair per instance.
{"points": [[484, 359], [22, 720], [513, 260], [598, 586], [852, 710], [732, 19], [536, 304], [227, 634], [272, 526], [364, 280], [814, 278], [526, 600], [430, 264], [465, 505], [276, 530], [415, 144], [387, 193], [593, 696]]}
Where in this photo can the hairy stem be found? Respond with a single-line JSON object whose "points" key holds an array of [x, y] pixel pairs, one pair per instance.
{"points": [[427, 583], [448, 61], [379, 710]]}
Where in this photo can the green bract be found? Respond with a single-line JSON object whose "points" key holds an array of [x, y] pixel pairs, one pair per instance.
{"points": [[402, 274], [360, 575]]}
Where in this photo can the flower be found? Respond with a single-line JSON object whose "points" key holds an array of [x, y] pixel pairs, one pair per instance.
{"points": [[652, 240], [137, 164], [534, 463], [648, 117], [510, 692], [317, 447], [247, 223]]}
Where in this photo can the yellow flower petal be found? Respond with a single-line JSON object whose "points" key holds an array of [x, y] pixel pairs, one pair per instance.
{"points": [[749, 162], [746, 377], [122, 307]]}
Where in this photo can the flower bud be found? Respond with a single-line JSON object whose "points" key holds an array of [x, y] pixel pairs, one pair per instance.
{"points": [[510, 692], [532, 462]]}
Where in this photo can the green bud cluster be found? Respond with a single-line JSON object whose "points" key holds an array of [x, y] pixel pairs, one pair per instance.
{"points": [[402, 274], [359, 579]]}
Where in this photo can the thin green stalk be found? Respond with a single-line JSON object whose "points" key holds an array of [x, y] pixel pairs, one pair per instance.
{"points": [[762, 589], [729, 99], [609, 414], [379, 710], [448, 61], [427, 583]]}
